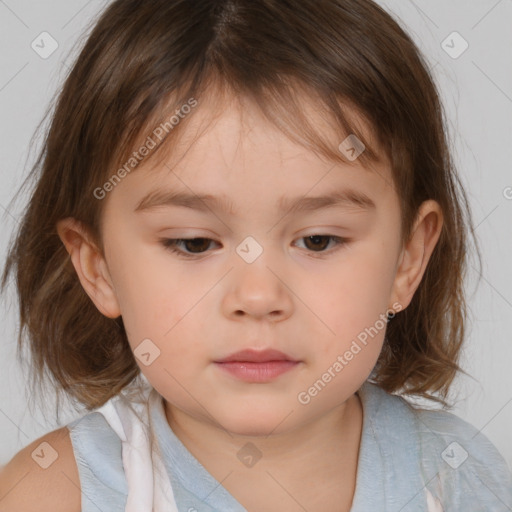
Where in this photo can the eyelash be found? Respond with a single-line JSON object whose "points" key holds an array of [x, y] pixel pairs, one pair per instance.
{"points": [[171, 245]]}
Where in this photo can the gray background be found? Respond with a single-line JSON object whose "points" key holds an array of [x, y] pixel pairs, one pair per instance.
{"points": [[477, 92]]}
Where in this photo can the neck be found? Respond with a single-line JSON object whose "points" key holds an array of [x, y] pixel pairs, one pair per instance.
{"points": [[323, 452]]}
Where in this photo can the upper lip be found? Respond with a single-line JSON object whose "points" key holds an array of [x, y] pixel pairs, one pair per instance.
{"points": [[257, 356]]}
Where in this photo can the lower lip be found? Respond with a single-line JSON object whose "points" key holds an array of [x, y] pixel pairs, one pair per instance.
{"points": [[257, 372]]}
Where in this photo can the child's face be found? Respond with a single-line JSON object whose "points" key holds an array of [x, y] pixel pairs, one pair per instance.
{"points": [[321, 303]]}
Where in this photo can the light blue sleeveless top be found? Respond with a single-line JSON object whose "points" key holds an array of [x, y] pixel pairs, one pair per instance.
{"points": [[403, 451]]}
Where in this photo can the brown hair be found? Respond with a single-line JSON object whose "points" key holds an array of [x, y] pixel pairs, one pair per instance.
{"points": [[145, 59]]}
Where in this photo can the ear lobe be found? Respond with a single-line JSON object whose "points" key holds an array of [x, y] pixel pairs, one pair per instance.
{"points": [[417, 252], [90, 266]]}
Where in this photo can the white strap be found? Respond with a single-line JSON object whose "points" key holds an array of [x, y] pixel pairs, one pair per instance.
{"points": [[433, 504], [164, 497], [148, 490]]}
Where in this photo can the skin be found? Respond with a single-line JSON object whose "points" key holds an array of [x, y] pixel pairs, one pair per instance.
{"points": [[307, 300]]}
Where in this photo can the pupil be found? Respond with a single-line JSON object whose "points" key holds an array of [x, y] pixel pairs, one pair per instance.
{"points": [[317, 239], [194, 243]]}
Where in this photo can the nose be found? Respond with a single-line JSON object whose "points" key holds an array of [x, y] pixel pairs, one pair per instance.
{"points": [[259, 290]]}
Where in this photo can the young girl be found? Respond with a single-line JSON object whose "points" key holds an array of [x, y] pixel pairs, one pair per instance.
{"points": [[244, 248]]}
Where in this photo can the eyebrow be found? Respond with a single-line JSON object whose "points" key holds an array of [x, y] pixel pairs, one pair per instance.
{"points": [[206, 202]]}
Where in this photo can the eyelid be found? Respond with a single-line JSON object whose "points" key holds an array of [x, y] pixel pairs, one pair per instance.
{"points": [[171, 243]]}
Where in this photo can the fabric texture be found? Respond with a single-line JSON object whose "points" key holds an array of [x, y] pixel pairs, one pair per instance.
{"points": [[130, 460]]}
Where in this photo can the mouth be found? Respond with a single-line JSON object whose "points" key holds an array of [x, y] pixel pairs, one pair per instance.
{"points": [[257, 356], [257, 366]]}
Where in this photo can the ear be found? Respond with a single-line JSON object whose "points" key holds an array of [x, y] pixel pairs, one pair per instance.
{"points": [[417, 251], [90, 266]]}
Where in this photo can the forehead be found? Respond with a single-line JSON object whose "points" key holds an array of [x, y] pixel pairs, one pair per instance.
{"points": [[231, 150]]}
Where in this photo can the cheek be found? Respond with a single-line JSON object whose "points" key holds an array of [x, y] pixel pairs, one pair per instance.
{"points": [[352, 300], [160, 306], [153, 296], [361, 286], [159, 301]]}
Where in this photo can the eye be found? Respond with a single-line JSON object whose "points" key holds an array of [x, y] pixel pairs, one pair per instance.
{"points": [[195, 245], [318, 243]]}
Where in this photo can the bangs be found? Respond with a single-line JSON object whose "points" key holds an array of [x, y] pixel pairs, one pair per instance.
{"points": [[325, 126]]}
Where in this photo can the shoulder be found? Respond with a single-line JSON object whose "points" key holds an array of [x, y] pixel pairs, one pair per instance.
{"points": [[446, 430], [467, 466], [42, 476], [456, 462]]}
